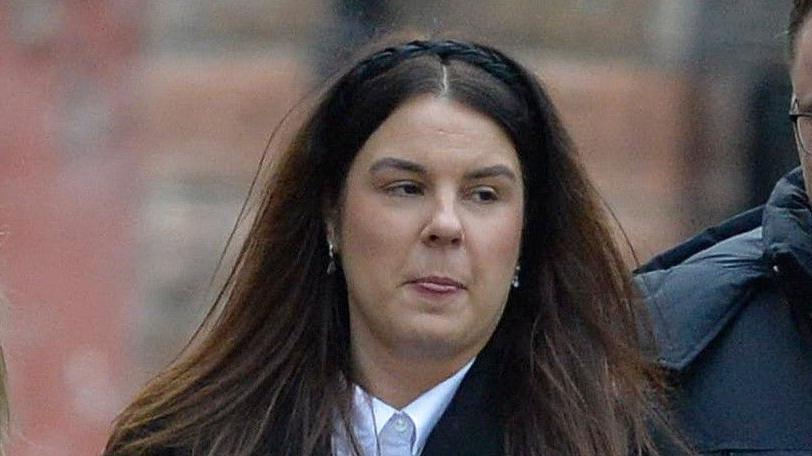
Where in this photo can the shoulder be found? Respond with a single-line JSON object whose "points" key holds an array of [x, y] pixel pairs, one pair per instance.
{"points": [[692, 300]]}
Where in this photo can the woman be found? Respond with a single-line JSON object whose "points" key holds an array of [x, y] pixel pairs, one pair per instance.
{"points": [[429, 272]]}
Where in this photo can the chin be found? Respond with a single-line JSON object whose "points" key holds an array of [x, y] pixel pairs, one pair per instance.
{"points": [[436, 342]]}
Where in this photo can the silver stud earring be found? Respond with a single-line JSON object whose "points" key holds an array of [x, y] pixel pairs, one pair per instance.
{"points": [[331, 266], [515, 281]]}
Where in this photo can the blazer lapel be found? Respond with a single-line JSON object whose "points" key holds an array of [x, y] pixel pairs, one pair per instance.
{"points": [[471, 425]]}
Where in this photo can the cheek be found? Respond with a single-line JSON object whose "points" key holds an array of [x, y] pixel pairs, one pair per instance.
{"points": [[508, 232], [498, 244], [370, 236]]}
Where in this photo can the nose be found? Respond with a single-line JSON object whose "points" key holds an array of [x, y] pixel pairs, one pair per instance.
{"points": [[444, 227]]}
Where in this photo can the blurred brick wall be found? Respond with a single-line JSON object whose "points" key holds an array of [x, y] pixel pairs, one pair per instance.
{"points": [[630, 124], [68, 189], [604, 28], [204, 123]]}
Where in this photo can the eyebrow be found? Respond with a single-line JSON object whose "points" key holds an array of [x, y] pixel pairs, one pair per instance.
{"points": [[410, 166], [397, 163], [491, 171]]}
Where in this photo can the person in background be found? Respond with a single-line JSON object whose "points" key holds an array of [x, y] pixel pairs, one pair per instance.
{"points": [[429, 272], [732, 307]]}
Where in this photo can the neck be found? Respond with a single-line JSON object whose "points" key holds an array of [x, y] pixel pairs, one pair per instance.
{"points": [[398, 380]]}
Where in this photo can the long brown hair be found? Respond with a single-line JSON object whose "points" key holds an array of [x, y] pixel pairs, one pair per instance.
{"points": [[265, 376]]}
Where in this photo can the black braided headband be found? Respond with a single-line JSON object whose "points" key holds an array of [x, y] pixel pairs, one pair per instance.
{"points": [[483, 57]]}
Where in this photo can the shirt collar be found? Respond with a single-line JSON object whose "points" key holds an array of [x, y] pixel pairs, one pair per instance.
{"points": [[425, 411]]}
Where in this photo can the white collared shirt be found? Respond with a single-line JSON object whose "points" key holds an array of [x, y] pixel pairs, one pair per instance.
{"points": [[404, 432]]}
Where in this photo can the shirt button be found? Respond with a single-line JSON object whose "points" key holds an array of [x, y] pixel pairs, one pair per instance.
{"points": [[400, 424]]}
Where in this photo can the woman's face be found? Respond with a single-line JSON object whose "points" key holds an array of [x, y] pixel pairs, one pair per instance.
{"points": [[430, 232]]}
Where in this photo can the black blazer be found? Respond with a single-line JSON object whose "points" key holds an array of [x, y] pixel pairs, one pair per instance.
{"points": [[471, 425]]}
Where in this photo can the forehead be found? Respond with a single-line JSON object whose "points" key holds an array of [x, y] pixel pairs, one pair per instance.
{"points": [[433, 128], [801, 71]]}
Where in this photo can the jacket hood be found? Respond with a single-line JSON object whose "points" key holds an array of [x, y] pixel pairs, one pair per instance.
{"points": [[788, 227], [695, 289], [691, 302]]}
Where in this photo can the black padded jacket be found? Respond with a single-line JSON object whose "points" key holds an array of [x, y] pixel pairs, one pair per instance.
{"points": [[731, 314]]}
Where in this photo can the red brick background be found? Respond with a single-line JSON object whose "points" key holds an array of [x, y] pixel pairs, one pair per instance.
{"points": [[68, 193]]}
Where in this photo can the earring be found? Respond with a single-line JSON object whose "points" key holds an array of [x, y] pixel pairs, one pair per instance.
{"points": [[515, 281], [331, 266]]}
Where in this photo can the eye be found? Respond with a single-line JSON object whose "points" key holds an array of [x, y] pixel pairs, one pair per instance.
{"points": [[484, 195], [404, 189]]}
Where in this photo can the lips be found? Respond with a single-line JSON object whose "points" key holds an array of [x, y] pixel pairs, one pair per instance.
{"points": [[436, 284]]}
